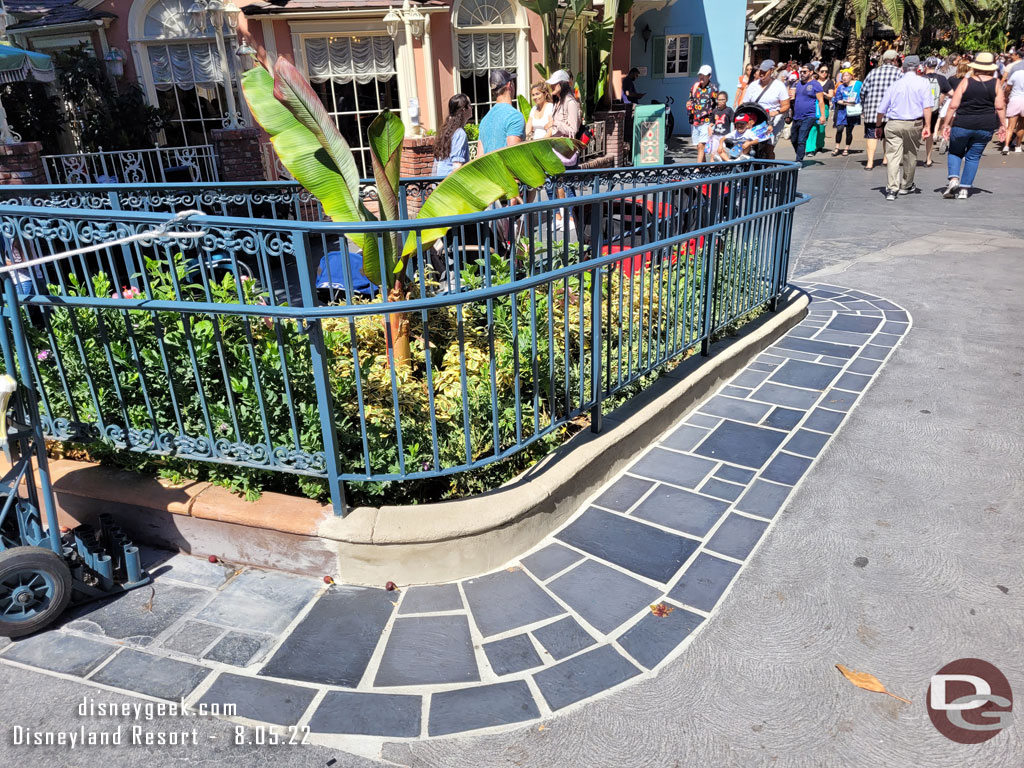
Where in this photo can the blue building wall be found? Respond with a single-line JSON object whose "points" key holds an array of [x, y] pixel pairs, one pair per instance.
{"points": [[720, 23]]}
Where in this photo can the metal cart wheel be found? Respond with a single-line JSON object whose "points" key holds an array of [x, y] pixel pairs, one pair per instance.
{"points": [[35, 587]]}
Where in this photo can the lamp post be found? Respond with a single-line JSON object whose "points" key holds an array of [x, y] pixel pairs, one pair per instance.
{"points": [[750, 34], [216, 13]]}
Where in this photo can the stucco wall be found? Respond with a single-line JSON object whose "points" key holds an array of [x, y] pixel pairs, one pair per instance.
{"points": [[721, 24]]}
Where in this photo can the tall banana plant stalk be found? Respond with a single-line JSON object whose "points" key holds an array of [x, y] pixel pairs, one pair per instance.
{"points": [[310, 146]]}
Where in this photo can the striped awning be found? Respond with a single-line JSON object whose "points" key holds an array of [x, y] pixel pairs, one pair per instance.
{"points": [[17, 65]]}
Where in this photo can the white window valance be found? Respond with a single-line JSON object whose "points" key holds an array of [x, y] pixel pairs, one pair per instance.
{"points": [[184, 65], [480, 53], [482, 13], [344, 59]]}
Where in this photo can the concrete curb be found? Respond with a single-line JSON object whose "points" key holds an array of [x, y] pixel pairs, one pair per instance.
{"points": [[416, 543]]}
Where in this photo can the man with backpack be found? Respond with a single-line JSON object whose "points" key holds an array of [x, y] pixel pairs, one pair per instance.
{"points": [[940, 90]]}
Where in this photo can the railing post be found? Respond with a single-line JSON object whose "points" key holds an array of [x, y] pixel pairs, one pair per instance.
{"points": [[126, 251], [595, 349], [103, 163], [321, 378], [710, 268]]}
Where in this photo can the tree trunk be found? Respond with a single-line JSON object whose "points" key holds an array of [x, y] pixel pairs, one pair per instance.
{"points": [[554, 35], [399, 329], [857, 53]]}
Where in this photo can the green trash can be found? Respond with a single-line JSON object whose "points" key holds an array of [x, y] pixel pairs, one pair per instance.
{"points": [[649, 134]]}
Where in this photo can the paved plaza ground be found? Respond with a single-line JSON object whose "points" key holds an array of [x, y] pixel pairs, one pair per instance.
{"points": [[896, 552]]}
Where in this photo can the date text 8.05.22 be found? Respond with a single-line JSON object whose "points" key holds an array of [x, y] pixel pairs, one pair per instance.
{"points": [[261, 734]]}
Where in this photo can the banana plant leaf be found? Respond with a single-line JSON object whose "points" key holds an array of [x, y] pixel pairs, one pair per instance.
{"points": [[487, 179], [309, 145], [524, 107], [385, 137]]}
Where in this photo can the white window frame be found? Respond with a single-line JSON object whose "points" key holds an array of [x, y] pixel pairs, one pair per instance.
{"points": [[689, 56], [301, 33], [520, 28]]}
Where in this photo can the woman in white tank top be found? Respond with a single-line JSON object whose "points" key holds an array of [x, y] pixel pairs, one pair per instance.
{"points": [[540, 123]]}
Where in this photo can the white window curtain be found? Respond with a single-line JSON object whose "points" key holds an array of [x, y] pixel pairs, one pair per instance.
{"points": [[184, 65], [170, 19], [481, 13], [480, 53], [344, 59]]}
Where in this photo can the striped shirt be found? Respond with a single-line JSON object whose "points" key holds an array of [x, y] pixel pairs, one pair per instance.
{"points": [[875, 85]]}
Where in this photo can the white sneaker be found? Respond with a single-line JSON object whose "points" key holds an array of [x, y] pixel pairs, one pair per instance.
{"points": [[962, 194], [1018, 149], [951, 188]]}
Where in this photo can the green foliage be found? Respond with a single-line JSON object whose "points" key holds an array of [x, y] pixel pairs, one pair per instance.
{"points": [[114, 118], [472, 132], [34, 114], [255, 376]]}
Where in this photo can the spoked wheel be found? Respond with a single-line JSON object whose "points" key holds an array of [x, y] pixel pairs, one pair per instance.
{"points": [[35, 587]]}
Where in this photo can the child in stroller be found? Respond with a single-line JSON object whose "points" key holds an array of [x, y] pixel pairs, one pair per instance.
{"points": [[752, 129]]}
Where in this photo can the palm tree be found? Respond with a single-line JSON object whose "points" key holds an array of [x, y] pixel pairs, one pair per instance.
{"points": [[826, 18]]}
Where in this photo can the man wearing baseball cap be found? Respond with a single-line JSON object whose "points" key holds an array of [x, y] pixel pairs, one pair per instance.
{"points": [[906, 113], [773, 97], [700, 105], [503, 125], [875, 85]]}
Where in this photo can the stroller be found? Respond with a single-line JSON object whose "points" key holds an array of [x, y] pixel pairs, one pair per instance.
{"points": [[761, 125]]}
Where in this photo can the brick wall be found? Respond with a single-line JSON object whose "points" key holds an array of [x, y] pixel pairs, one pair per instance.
{"points": [[21, 163], [417, 160], [238, 154]]}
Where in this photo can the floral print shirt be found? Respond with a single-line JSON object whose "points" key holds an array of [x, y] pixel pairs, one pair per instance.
{"points": [[702, 103]]}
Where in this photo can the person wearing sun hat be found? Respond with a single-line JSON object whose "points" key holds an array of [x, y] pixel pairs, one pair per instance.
{"points": [[977, 110]]}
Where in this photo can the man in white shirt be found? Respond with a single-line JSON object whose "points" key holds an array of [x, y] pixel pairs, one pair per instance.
{"points": [[773, 97]]}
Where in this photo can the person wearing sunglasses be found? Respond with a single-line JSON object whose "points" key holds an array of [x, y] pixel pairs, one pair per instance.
{"points": [[773, 97]]}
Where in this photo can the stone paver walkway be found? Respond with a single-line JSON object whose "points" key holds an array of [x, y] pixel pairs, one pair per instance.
{"points": [[606, 600]]}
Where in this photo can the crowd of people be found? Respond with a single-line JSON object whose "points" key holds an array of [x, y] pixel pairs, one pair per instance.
{"points": [[960, 102]]}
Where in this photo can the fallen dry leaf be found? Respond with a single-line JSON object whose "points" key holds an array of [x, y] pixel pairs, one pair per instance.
{"points": [[867, 681], [512, 569], [661, 610], [542, 727], [148, 606]]}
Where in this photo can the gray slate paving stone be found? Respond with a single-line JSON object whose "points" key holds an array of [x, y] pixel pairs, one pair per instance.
{"points": [[674, 468], [731, 408], [722, 490], [787, 396], [703, 583], [140, 614], [806, 443], [428, 650], [702, 420], [823, 420], [808, 346], [853, 381], [895, 328], [855, 323], [603, 596], [734, 474], [334, 642], [238, 648], [505, 600], [763, 499], [583, 676], [193, 638], [554, 558], [758, 366], [737, 536], [182, 567], [512, 654], [792, 354], [368, 714], [783, 418], [626, 490], [838, 400], [431, 599], [563, 638], [733, 391], [885, 339], [864, 366], [797, 373], [875, 352], [684, 437], [653, 638], [630, 544], [840, 337], [750, 378], [259, 699], [786, 469], [741, 444], [837, 361], [481, 706], [681, 510], [156, 676], [59, 652], [263, 601]]}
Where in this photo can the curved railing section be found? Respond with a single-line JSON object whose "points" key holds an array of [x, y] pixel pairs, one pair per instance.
{"points": [[261, 344]]}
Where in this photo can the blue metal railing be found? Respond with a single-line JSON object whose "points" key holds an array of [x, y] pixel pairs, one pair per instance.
{"points": [[254, 344]]}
